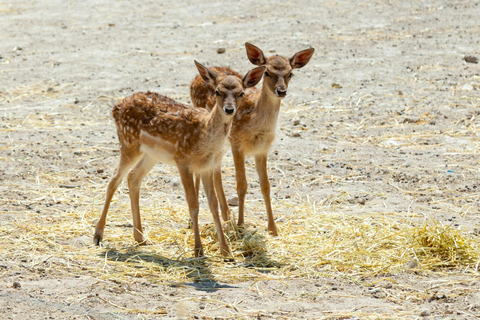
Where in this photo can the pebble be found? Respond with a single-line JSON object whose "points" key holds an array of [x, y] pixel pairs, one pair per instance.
{"points": [[221, 50], [374, 290], [470, 59], [16, 285], [336, 86], [425, 313], [233, 202], [175, 182], [412, 264]]}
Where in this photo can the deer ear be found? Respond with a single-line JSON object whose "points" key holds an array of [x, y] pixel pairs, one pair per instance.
{"points": [[253, 77], [255, 55], [207, 75], [301, 58]]}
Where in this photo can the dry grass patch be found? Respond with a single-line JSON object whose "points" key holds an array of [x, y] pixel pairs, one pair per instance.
{"points": [[313, 243]]}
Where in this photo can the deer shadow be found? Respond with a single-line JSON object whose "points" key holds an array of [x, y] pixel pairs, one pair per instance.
{"points": [[249, 247], [196, 269]]}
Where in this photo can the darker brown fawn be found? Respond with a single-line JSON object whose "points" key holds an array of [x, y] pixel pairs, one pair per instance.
{"points": [[152, 128], [254, 125]]}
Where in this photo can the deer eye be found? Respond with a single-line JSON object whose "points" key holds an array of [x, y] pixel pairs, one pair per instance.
{"points": [[290, 75], [217, 93], [267, 74], [241, 94]]}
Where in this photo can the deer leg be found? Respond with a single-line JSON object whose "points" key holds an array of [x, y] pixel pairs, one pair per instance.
{"points": [[135, 178], [208, 186], [217, 178], [197, 191], [261, 166], [239, 161], [120, 171], [192, 201]]}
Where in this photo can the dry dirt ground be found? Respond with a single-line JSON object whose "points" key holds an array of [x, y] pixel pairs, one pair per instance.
{"points": [[383, 121]]}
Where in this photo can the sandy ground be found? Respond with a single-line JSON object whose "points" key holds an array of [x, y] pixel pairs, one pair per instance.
{"points": [[383, 120]]}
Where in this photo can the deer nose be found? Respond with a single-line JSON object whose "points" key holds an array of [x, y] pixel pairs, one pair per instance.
{"points": [[229, 109], [281, 92]]}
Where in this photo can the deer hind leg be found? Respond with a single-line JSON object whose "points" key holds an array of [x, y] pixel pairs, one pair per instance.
{"points": [[226, 212], [125, 164], [135, 178], [192, 201], [261, 166], [208, 186], [239, 161]]}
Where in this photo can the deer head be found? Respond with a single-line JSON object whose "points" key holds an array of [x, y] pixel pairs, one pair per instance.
{"points": [[278, 69], [229, 89]]}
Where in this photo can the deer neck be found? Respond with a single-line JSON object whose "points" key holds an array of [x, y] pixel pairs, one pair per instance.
{"points": [[268, 106], [268, 100], [218, 125]]}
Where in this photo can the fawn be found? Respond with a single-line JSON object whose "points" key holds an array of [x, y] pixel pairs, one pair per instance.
{"points": [[254, 125], [152, 128]]}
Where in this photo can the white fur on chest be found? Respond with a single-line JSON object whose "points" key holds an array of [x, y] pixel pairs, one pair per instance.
{"points": [[210, 156]]}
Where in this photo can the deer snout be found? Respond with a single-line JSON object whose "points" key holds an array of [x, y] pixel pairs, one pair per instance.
{"points": [[281, 91], [229, 108]]}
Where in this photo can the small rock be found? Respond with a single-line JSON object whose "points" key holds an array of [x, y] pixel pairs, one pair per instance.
{"points": [[412, 264], [336, 86], [175, 182], [390, 143], [467, 87], [221, 50], [296, 135], [99, 170], [296, 122], [440, 296], [388, 285], [470, 59], [373, 290], [233, 202], [425, 313], [16, 285]]}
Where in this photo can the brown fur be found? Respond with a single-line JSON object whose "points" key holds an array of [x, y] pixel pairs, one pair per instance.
{"points": [[152, 128], [254, 125]]}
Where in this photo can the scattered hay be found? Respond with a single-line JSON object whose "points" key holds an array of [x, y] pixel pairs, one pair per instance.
{"points": [[312, 244], [441, 246]]}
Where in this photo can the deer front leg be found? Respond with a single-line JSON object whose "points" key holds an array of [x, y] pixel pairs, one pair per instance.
{"points": [[261, 166], [192, 201], [135, 178], [208, 185], [125, 164], [197, 192], [226, 212], [241, 178]]}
